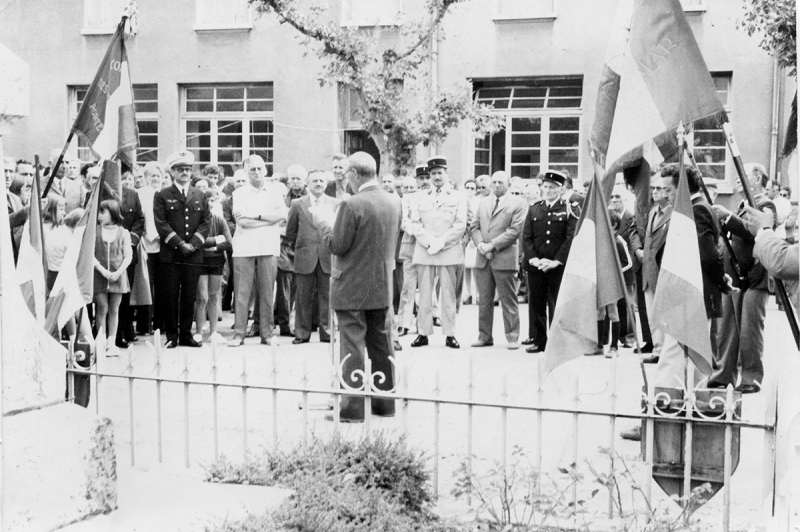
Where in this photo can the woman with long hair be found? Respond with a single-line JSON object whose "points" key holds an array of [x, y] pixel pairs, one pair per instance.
{"points": [[112, 255], [56, 236]]}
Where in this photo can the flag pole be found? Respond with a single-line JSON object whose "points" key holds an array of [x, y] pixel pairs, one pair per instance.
{"points": [[36, 187], [780, 289], [56, 166]]}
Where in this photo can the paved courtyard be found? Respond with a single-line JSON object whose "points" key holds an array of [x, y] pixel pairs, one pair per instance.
{"points": [[498, 375]]}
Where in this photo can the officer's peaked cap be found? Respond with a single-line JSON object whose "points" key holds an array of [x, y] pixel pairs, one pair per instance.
{"points": [[422, 169], [556, 177], [180, 158], [437, 161]]}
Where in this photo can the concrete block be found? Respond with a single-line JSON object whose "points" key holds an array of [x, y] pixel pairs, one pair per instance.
{"points": [[59, 467]]}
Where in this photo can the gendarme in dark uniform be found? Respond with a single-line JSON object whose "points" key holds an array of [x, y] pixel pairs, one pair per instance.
{"points": [[182, 223], [546, 239]]}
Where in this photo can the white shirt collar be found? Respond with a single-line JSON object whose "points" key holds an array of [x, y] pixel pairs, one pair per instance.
{"points": [[367, 185]]}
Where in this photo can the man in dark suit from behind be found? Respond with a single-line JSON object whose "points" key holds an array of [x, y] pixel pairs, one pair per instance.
{"points": [[362, 241], [312, 259]]}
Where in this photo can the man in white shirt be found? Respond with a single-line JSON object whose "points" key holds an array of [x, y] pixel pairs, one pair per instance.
{"points": [[782, 206], [258, 210]]}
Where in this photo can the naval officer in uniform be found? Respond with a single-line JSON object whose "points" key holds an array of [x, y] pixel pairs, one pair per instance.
{"points": [[438, 222], [546, 239]]}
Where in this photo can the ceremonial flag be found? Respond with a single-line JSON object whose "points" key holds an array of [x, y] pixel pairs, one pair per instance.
{"points": [[74, 286], [654, 78], [592, 279], [31, 263], [678, 306]]}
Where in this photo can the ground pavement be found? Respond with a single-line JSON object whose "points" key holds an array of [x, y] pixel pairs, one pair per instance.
{"points": [[498, 375]]}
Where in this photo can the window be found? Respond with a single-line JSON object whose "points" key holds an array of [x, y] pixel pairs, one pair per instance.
{"points": [[102, 16], [710, 149], [371, 12], [215, 15], [224, 124], [524, 10], [542, 132], [145, 101], [693, 6]]}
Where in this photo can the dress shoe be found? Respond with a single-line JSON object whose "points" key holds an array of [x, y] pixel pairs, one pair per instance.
{"points": [[235, 341], [122, 344], [133, 339], [528, 341], [171, 344], [286, 331], [437, 322], [190, 342], [266, 341], [402, 331], [325, 339], [253, 331], [482, 343], [329, 417], [647, 348], [497, 303], [512, 345], [451, 342], [419, 341], [612, 352], [300, 341], [626, 345], [634, 434], [748, 388], [594, 352], [397, 346], [467, 301], [535, 349], [652, 359]]}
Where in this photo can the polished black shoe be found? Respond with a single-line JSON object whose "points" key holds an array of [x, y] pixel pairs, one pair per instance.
{"points": [[397, 346], [529, 341], [467, 301], [300, 341], [122, 344], [171, 344], [285, 331], [325, 339], [748, 388], [452, 342], [437, 322], [483, 343], [647, 348], [189, 342], [652, 359], [402, 331], [534, 348], [253, 331], [626, 345], [419, 341]]}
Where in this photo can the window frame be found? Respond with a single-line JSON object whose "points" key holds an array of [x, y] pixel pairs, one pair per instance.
{"points": [[726, 184], [201, 26], [246, 117], [390, 19], [501, 15], [91, 27]]}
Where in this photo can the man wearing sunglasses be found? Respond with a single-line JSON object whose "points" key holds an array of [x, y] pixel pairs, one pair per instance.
{"points": [[182, 218]]}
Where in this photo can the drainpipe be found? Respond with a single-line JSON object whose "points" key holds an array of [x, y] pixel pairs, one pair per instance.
{"points": [[433, 147], [777, 108]]}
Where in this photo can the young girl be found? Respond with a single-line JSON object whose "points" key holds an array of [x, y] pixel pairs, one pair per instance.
{"points": [[56, 236], [112, 255]]}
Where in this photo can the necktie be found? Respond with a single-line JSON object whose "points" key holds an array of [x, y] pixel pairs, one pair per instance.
{"points": [[496, 203], [657, 217]]}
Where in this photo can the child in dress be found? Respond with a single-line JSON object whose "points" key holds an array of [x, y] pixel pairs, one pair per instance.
{"points": [[112, 255]]}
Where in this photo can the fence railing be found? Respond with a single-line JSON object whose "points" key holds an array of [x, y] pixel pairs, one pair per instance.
{"points": [[689, 409]]}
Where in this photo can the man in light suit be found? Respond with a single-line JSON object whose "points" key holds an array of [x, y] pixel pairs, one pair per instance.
{"points": [[438, 221], [312, 259], [362, 241], [780, 258], [655, 238], [496, 230]]}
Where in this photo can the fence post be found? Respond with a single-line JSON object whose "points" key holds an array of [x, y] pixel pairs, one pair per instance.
{"points": [[274, 351], [576, 405], [305, 401], [244, 407], [368, 390], [436, 408], [728, 465], [647, 481], [687, 458], [504, 427], [186, 408], [612, 436], [157, 349], [129, 369], [539, 401], [470, 391], [214, 390]]}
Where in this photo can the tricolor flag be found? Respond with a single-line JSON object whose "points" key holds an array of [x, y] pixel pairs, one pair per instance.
{"points": [[74, 286], [654, 78], [592, 279], [31, 263], [678, 306]]}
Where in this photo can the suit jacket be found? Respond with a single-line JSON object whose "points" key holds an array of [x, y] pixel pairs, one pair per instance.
{"points": [[227, 213], [180, 221], [330, 189], [17, 216], [548, 231], [654, 240], [132, 215], [742, 242], [439, 216], [781, 261], [362, 242], [502, 228], [711, 264], [309, 248], [627, 230]]}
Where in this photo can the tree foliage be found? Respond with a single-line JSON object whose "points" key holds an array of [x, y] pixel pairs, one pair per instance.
{"points": [[399, 108], [776, 23]]}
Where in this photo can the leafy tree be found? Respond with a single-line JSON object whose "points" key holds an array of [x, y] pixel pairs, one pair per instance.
{"points": [[776, 22], [399, 108]]}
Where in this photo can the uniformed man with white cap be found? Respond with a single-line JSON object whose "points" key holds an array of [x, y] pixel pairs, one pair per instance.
{"points": [[546, 239], [182, 218], [438, 222]]}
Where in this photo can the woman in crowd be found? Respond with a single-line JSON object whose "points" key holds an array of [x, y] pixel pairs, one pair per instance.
{"points": [[56, 236], [154, 181], [21, 186], [112, 255], [209, 286], [470, 251]]}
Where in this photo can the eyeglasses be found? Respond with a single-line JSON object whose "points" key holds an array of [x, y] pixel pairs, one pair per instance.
{"points": [[615, 196], [516, 193], [656, 188], [482, 188], [181, 169], [469, 188], [784, 194]]}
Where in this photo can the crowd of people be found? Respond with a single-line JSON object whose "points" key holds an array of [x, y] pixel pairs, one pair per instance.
{"points": [[256, 244]]}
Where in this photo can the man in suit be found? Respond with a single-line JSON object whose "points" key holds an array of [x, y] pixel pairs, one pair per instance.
{"points": [[546, 239], [627, 230], [438, 221], [312, 259], [495, 232], [362, 241], [670, 371], [339, 188], [655, 237], [741, 329], [182, 219], [133, 221], [405, 313]]}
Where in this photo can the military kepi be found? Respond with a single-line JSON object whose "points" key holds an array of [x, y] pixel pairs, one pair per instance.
{"points": [[554, 176], [178, 158], [422, 169], [437, 161]]}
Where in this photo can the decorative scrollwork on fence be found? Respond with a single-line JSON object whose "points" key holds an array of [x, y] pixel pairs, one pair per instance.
{"points": [[358, 374]]}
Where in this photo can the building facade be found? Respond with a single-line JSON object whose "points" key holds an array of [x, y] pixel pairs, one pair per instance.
{"points": [[219, 79]]}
